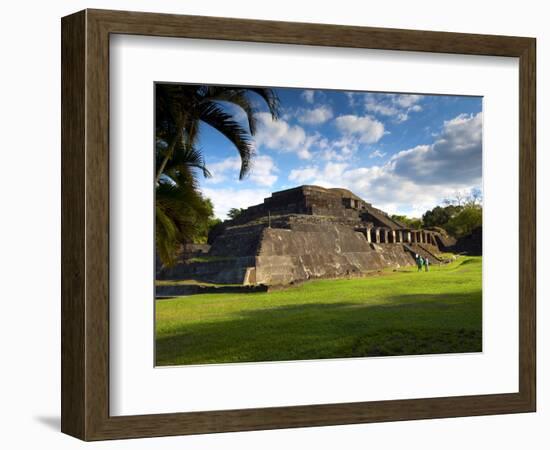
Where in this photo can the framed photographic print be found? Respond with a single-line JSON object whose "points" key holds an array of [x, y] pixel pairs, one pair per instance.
{"points": [[272, 225]]}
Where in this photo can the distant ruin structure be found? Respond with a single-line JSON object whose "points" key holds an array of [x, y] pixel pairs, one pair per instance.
{"points": [[305, 233]]}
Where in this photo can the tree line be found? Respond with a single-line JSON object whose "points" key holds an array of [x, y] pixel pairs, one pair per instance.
{"points": [[458, 216]]}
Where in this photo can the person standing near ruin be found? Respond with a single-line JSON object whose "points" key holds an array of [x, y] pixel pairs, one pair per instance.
{"points": [[426, 264], [419, 263]]}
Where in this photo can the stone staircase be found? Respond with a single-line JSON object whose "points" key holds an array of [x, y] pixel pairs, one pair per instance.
{"points": [[382, 219], [425, 253]]}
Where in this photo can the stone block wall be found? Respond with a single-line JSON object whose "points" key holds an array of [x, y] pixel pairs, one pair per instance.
{"points": [[304, 233], [238, 241], [311, 200], [331, 251], [227, 271]]}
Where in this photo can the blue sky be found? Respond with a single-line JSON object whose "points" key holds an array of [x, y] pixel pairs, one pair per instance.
{"points": [[404, 153]]}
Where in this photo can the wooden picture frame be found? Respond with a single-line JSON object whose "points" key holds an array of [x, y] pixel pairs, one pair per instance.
{"points": [[85, 224]]}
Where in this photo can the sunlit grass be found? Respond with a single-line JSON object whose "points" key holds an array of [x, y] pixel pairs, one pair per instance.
{"points": [[396, 313]]}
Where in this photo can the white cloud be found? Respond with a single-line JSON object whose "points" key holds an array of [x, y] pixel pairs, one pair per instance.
{"points": [[263, 171], [379, 186], [377, 154], [397, 106], [386, 110], [334, 170], [416, 179], [365, 128], [308, 95], [407, 100], [303, 152], [455, 157], [341, 149], [233, 162], [284, 137], [281, 136], [219, 170], [315, 116], [351, 98], [224, 199], [330, 154], [402, 117], [302, 175], [328, 176]]}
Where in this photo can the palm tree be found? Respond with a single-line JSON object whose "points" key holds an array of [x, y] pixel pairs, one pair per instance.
{"points": [[180, 209], [180, 110]]}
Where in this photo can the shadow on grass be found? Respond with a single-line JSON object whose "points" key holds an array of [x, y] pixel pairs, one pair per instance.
{"points": [[410, 325]]}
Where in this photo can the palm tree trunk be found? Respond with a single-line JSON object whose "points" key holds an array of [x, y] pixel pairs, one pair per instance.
{"points": [[169, 151]]}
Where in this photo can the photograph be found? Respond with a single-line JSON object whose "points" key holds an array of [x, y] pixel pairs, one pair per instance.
{"points": [[307, 224]]}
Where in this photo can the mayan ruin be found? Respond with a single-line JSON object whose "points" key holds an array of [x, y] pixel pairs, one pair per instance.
{"points": [[305, 224], [307, 232]]}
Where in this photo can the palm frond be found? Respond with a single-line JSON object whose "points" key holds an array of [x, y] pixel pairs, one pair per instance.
{"points": [[214, 115], [185, 157], [271, 98], [182, 214], [166, 236], [240, 97], [237, 97]]}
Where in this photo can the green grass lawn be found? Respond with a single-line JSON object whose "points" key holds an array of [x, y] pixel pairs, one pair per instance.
{"points": [[395, 313]]}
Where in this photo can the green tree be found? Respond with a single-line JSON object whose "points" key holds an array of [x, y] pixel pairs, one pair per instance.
{"points": [[235, 212], [178, 221], [205, 226], [467, 212], [463, 223], [439, 216], [411, 222], [181, 211]]}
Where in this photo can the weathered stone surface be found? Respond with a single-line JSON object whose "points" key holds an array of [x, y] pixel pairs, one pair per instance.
{"points": [[304, 233], [330, 251], [443, 240], [318, 201], [241, 240], [227, 271]]}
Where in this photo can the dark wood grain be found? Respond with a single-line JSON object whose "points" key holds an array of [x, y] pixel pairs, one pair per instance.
{"points": [[151, 24], [85, 224], [73, 225], [527, 224]]}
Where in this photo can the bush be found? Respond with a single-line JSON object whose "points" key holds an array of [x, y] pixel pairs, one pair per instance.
{"points": [[465, 221]]}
